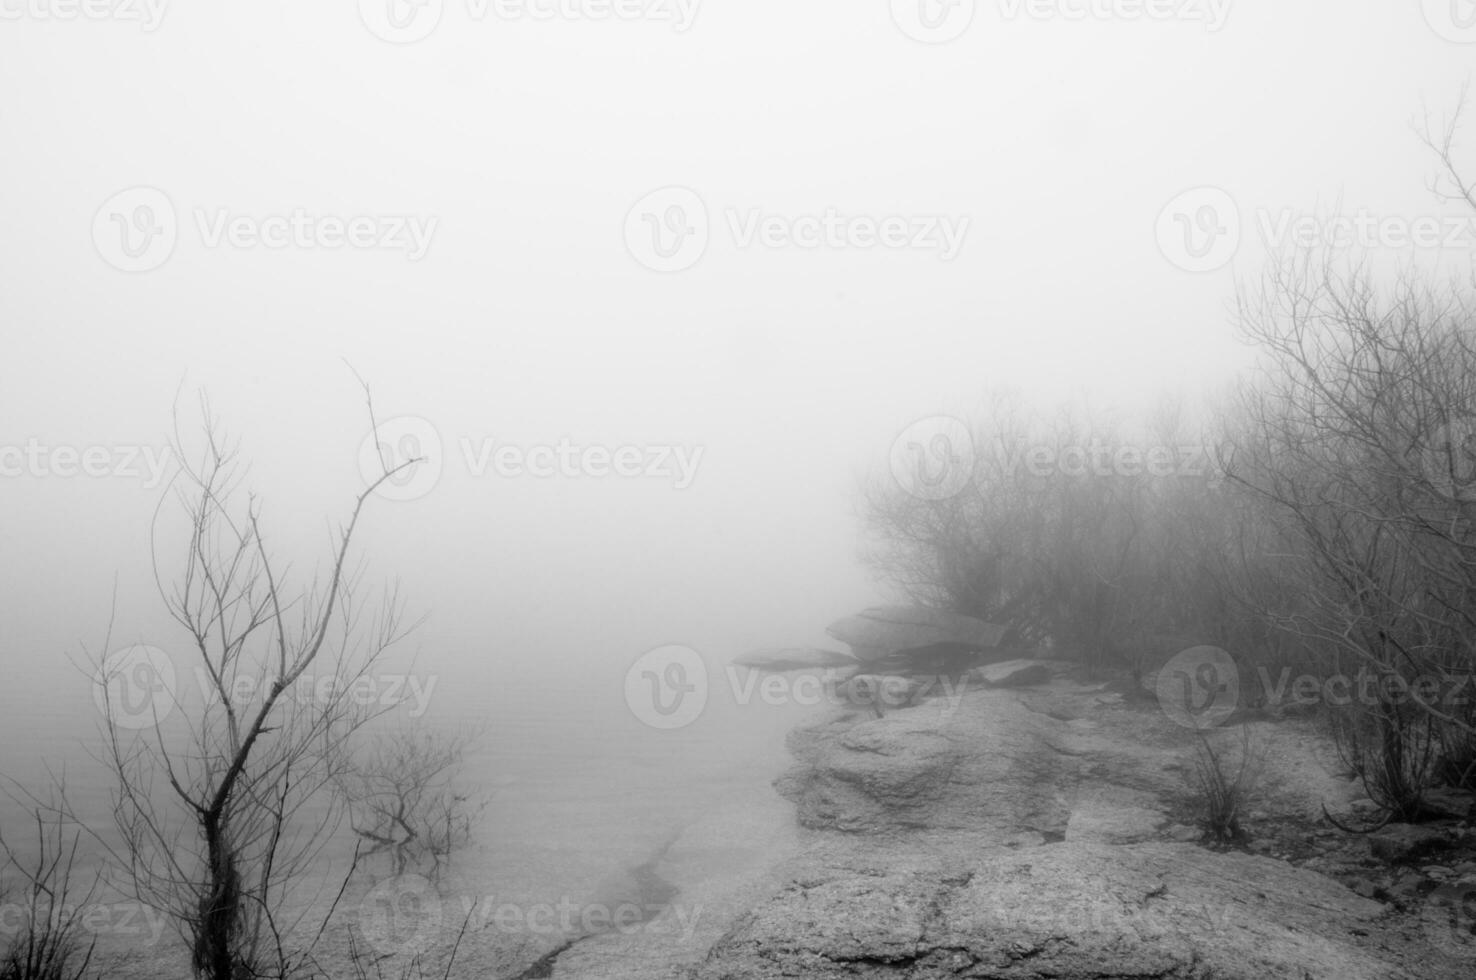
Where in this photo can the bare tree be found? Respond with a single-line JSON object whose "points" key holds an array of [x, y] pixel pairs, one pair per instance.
{"points": [[1360, 442], [1358, 445], [213, 806]]}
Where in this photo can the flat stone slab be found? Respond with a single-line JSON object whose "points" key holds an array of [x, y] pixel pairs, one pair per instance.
{"points": [[781, 659], [1016, 673], [881, 631], [1067, 910]]}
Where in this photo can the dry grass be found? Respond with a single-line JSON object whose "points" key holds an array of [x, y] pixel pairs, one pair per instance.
{"points": [[1225, 782]]}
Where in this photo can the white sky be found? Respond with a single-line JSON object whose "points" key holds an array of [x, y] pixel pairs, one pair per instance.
{"points": [[529, 319]]}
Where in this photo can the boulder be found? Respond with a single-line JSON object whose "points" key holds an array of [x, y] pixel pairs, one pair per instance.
{"points": [[777, 660], [879, 692], [1015, 673], [883, 631], [1403, 842], [870, 777]]}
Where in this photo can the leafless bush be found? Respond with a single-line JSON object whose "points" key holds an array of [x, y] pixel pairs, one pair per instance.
{"points": [[1096, 562], [50, 941], [1225, 783], [406, 799]]}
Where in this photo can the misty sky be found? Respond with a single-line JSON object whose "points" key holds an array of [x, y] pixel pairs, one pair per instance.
{"points": [[526, 316]]}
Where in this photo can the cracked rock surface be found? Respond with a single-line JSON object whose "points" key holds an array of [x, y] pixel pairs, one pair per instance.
{"points": [[1038, 833]]}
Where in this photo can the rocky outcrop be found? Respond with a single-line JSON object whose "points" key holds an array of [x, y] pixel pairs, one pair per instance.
{"points": [[989, 762], [1039, 832], [890, 772], [1047, 832], [1069, 910]]}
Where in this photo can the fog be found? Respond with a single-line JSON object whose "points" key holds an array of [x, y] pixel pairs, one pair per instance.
{"points": [[510, 295], [528, 320]]}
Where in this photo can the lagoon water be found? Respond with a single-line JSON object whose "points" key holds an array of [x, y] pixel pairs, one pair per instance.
{"points": [[578, 787]]}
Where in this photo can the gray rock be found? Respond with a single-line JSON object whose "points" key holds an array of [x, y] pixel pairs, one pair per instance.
{"points": [[1159, 910], [1015, 673], [978, 762], [1402, 842], [780, 659], [983, 836], [879, 692], [882, 631], [869, 778], [1183, 833]]}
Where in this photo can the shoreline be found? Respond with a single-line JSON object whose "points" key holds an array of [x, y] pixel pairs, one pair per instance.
{"points": [[1048, 830], [1022, 832]]}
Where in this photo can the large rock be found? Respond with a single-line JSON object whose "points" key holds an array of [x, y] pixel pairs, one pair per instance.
{"points": [[1407, 843], [880, 692], [1067, 910], [883, 631], [1016, 673], [870, 777], [965, 760], [779, 659], [1023, 833]]}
